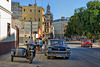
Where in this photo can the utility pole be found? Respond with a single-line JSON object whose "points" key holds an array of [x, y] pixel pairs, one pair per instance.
{"points": [[31, 29]]}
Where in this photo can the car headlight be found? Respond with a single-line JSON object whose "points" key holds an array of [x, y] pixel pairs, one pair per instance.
{"points": [[68, 49], [49, 48]]}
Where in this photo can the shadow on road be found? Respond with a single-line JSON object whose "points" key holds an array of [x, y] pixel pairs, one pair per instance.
{"points": [[26, 62]]}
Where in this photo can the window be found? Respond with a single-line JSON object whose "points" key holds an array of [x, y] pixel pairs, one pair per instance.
{"points": [[24, 18], [30, 10], [38, 10], [47, 24], [24, 10], [30, 18], [45, 30], [8, 0], [39, 19], [34, 19], [8, 29]]}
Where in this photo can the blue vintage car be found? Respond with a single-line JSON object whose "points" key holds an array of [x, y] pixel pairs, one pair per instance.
{"points": [[57, 48]]}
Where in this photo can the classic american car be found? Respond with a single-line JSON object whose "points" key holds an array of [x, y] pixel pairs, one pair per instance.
{"points": [[57, 48], [86, 43]]}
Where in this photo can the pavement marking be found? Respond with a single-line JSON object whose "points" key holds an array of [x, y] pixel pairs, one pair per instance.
{"points": [[82, 59], [92, 61]]}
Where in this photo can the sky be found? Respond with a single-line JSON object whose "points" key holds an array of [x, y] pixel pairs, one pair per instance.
{"points": [[59, 8]]}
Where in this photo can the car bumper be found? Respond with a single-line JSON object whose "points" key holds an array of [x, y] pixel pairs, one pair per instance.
{"points": [[88, 45], [59, 53]]}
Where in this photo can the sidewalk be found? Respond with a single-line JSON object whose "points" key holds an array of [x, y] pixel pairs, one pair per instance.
{"points": [[96, 45]]}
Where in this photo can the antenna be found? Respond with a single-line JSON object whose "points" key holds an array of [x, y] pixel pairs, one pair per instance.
{"points": [[35, 1], [42, 3]]}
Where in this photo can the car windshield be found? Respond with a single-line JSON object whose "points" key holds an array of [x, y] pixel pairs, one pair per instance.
{"points": [[56, 42], [87, 40]]}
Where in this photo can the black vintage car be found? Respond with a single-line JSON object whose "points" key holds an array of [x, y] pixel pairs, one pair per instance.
{"points": [[57, 48]]}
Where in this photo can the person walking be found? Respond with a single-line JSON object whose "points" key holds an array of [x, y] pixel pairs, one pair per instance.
{"points": [[37, 47], [41, 44]]}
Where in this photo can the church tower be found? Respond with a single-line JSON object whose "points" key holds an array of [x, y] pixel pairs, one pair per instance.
{"points": [[48, 8], [49, 29]]}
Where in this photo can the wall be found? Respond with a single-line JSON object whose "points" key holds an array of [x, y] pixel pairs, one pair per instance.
{"points": [[59, 28], [17, 10], [6, 43], [6, 18], [0, 23], [35, 14], [6, 47], [6, 4]]}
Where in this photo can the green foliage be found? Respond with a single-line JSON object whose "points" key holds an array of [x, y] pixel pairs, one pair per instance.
{"points": [[89, 35], [85, 21]]}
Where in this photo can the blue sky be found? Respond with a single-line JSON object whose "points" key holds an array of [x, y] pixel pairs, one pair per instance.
{"points": [[59, 8]]}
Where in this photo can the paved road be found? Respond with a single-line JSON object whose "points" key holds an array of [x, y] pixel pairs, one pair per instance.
{"points": [[81, 57]]}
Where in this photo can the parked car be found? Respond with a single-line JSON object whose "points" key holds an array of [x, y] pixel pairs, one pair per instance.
{"points": [[57, 48], [86, 43]]}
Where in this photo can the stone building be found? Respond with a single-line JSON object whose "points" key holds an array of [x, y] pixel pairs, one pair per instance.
{"points": [[17, 10], [23, 16], [7, 33], [34, 13], [60, 27], [48, 28], [17, 19]]}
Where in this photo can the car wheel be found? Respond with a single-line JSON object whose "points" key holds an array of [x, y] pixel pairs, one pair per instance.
{"points": [[91, 46], [12, 58], [31, 58], [48, 57], [45, 54], [67, 58]]}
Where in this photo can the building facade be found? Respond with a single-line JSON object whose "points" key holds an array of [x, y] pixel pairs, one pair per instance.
{"points": [[60, 27], [35, 14], [48, 28], [7, 33], [17, 19], [23, 16]]}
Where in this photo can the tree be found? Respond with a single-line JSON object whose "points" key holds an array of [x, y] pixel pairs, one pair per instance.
{"points": [[85, 21]]}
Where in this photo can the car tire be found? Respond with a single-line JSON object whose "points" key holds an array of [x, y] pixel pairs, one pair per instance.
{"points": [[45, 54], [67, 58], [31, 58], [12, 58], [48, 57], [91, 46]]}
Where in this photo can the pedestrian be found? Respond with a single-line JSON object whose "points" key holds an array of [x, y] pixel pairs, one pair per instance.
{"points": [[43, 41], [41, 44], [93, 40], [37, 47]]}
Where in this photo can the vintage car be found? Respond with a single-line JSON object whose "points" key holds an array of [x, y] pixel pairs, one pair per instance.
{"points": [[57, 48], [86, 43]]}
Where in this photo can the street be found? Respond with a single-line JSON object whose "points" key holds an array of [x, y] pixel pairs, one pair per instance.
{"points": [[80, 57]]}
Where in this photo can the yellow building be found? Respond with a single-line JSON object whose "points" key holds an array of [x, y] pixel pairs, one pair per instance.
{"points": [[35, 14]]}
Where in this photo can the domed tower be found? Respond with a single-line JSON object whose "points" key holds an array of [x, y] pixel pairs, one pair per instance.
{"points": [[48, 8], [49, 23]]}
